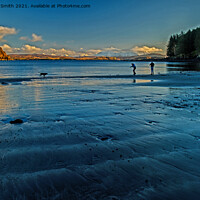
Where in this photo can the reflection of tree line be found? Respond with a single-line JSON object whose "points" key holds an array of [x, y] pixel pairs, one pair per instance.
{"points": [[184, 66], [184, 45]]}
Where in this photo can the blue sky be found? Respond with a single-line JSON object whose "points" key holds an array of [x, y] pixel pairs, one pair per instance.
{"points": [[108, 27]]}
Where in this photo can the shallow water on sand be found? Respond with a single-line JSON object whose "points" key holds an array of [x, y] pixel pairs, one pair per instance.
{"points": [[98, 138]]}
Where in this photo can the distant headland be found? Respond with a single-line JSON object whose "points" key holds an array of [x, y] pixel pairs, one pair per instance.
{"points": [[3, 55]]}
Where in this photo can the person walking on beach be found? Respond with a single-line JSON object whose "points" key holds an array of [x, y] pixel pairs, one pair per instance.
{"points": [[152, 68], [134, 68]]}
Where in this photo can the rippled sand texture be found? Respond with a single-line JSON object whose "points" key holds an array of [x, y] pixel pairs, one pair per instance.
{"points": [[101, 138]]}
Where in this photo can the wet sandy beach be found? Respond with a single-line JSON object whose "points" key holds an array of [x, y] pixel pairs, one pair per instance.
{"points": [[101, 137]]}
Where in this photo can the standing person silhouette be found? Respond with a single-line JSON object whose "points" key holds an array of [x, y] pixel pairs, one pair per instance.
{"points": [[134, 68], [152, 68]]}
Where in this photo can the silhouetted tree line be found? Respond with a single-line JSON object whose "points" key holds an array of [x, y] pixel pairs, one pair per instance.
{"points": [[184, 45]]}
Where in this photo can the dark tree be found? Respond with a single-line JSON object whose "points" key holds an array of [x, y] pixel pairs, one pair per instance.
{"points": [[181, 46], [184, 45], [171, 47], [197, 42]]}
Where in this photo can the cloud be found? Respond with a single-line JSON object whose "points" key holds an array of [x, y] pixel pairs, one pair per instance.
{"points": [[145, 50], [30, 49], [6, 31], [113, 49], [9, 49], [24, 38], [108, 51], [60, 52], [90, 52], [35, 38]]}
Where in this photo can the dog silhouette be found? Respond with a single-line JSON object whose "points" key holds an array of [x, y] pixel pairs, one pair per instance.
{"points": [[43, 74]]}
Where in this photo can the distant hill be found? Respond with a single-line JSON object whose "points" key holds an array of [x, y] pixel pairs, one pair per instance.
{"points": [[50, 57], [36, 57], [3, 55], [143, 57]]}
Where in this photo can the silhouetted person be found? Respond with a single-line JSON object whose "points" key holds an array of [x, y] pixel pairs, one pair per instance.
{"points": [[152, 68], [134, 68]]}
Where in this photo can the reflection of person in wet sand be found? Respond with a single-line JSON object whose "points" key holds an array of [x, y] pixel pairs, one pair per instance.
{"points": [[134, 68], [152, 68]]}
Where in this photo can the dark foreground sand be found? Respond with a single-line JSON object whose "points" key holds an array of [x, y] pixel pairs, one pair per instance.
{"points": [[126, 141]]}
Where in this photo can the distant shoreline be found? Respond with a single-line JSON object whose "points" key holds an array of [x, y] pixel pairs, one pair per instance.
{"points": [[144, 60], [24, 57]]}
